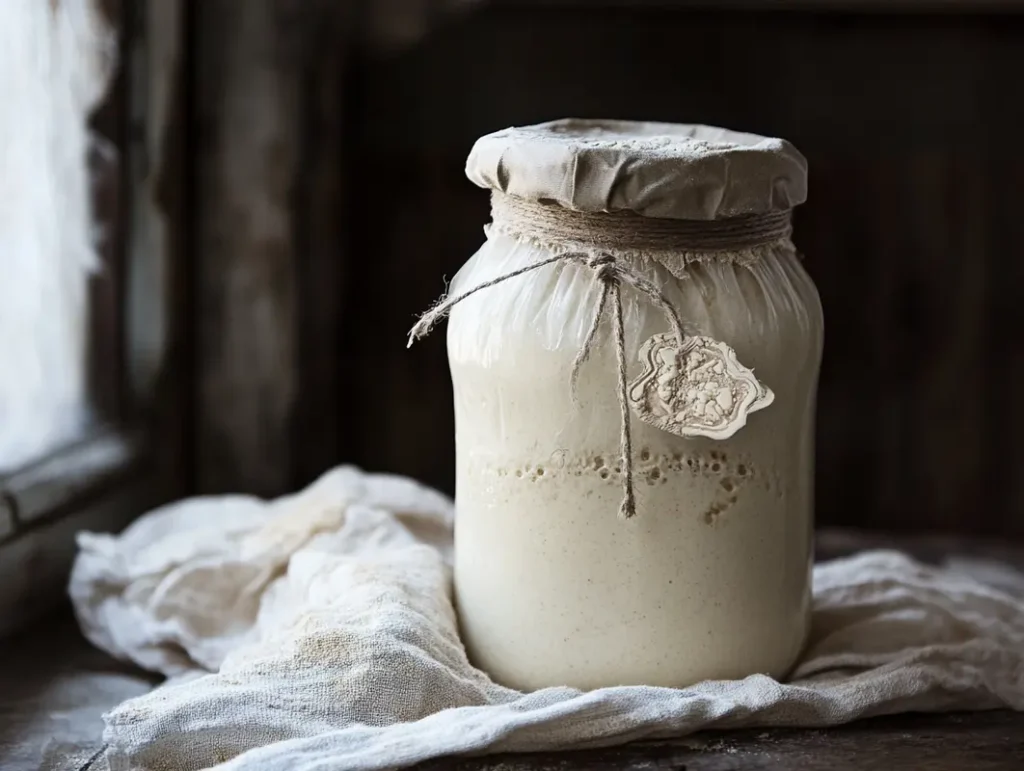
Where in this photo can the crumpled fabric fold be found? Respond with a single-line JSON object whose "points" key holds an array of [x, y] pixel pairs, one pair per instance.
{"points": [[317, 632]]}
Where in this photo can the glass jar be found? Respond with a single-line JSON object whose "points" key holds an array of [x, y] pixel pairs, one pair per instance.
{"points": [[711, 577]]}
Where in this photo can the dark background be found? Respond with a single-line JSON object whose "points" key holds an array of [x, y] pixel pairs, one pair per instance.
{"points": [[327, 201]]}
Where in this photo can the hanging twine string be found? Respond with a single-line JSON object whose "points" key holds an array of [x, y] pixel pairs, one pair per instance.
{"points": [[611, 273], [587, 237]]}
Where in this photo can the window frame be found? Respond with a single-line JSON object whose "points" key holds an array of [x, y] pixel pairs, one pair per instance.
{"points": [[130, 458]]}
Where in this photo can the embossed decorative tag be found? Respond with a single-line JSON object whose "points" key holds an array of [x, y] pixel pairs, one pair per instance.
{"points": [[701, 390]]}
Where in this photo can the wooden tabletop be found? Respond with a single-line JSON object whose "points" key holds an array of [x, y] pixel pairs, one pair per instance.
{"points": [[54, 688], [984, 741]]}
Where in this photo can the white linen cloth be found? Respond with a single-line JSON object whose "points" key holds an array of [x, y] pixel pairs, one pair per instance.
{"points": [[317, 632]]}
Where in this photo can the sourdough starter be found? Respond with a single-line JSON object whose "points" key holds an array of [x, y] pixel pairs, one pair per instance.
{"points": [[711, 578]]}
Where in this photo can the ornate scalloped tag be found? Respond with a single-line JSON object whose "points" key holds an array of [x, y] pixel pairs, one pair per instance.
{"points": [[701, 390]]}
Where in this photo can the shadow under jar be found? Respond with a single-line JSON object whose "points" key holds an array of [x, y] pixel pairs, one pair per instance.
{"points": [[640, 512]]}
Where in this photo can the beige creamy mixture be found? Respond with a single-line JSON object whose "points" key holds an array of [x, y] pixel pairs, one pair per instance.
{"points": [[711, 578]]}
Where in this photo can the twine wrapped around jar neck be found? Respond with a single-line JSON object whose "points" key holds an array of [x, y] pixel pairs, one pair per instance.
{"points": [[605, 242], [627, 234]]}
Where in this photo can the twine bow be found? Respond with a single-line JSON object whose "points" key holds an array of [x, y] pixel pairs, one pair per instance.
{"points": [[611, 273]]}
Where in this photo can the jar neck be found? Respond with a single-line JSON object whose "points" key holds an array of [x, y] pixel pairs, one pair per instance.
{"points": [[627, 233]]}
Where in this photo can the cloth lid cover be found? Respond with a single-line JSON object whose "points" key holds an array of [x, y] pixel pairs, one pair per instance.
{"points": [[666, 170]]}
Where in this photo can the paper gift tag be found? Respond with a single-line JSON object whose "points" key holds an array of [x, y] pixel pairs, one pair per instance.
{"points": [[698, 390]]}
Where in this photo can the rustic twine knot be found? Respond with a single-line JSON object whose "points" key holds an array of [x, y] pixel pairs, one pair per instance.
{"points": [[603, 265], [589, 239]]}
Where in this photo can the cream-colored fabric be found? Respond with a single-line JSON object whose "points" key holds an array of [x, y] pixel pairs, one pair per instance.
{"points": [[316, 632], [665, 170]]}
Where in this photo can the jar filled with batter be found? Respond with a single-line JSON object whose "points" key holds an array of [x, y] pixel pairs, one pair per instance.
{"points": [[634, 354]]}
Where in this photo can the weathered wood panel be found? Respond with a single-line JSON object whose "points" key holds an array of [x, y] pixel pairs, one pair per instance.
{"points": [[104, 349], [322, 197], [397, 406], [161, 258], [267, 265], [245, 265]]}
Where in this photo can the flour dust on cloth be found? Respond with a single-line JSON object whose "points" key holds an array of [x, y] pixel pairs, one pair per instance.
{"points": [[317, 632]]}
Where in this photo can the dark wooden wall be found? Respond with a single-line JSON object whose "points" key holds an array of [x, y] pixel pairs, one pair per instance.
{"points": [[913, 234], [269, 206]]}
